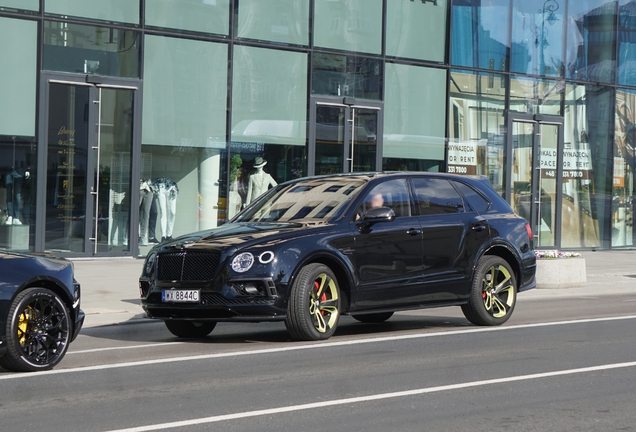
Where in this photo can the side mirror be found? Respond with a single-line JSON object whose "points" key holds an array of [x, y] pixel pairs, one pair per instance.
{"points": [[380, 214]]}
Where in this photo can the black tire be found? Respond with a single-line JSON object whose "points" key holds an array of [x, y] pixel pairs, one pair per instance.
{"points": [[373, 318], [494, 293], [38, 331], [314, 304], [190, 329]]}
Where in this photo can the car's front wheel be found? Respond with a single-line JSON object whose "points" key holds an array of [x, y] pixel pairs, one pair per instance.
{"points": [[190, 329], [373, 318], [314, 304], [38, 331], [494, 293]]}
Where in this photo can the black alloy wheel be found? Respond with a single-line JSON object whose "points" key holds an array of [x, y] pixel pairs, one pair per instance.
{"points": [[38, 331]]}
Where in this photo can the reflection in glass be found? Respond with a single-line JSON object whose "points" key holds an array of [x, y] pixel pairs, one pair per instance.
{"points": [[627, 42], [586, 194], [364, 139], [90, 50], [18, 76], [477, 121], [414, 118], [67, 160], [346, 76], [351, 25], [191, 15], [623, 179], [112, 178], [285, 21], [479, 33], [183, 137], [591, 40], [17, 192], [538, 28], [330, 145], [269, 117], [31, 5], [536, 96], [124, 11], [413, 29]]}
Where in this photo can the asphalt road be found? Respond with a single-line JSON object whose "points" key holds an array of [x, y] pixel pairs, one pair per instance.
{"points": [[559, 364]]}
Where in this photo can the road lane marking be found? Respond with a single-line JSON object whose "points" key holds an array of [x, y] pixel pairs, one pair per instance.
{"points": [[127, 347], [306, 346], [373, 397]]}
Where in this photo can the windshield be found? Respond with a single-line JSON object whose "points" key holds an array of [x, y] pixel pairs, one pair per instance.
{"points": [[307, 200]]}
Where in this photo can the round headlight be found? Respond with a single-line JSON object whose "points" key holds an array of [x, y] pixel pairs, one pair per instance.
{"points": [[243, 262]]}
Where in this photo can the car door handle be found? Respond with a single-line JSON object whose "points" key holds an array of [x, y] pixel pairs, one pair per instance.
{"points": [[414, 231], [479, 228]]}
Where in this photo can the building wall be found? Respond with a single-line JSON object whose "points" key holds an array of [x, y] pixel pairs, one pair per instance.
{"points": [[216, 84]]}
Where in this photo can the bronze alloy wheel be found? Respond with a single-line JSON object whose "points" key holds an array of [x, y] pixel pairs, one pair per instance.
{"points": [[494, 292], [314, 305]]}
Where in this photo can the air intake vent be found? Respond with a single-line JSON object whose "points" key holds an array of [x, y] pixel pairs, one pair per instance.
{"points": [[187, 266]]}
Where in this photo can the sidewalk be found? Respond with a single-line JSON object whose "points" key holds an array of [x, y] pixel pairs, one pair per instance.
{"points": [[110, 288]]}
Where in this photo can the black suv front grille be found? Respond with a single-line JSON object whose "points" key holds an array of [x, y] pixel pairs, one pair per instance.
{"points": [[187, 265]]}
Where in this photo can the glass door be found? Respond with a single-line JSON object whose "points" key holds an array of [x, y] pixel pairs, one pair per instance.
{"points": [[344, 138], [536, 177], [88, 164]]}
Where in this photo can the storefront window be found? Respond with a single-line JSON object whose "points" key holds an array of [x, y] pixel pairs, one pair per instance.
{"points": [[184, 137], [284, 21], [414, 118], [31, 5], [480, 33], [349, 25], [413, 29], [18, 51], [346, 76], [206, 16], [588, 140], [591, 40], [627, 43], [269, 122], [623, 179], [124, 11], [538, 37], [90, 50], [477, 126]]}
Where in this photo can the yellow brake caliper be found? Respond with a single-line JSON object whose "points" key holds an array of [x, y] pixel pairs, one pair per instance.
{"points": [[23, 324]]}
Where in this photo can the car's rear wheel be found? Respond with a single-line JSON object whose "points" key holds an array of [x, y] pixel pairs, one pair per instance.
{"points": [[314, 304], [190, 329], [38, 331], [373, 318], [494, 293]]}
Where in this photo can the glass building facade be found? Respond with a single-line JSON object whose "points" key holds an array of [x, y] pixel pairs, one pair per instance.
{"points": [[123, 122]]}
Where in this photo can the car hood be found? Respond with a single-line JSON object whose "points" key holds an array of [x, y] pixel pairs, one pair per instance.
{"points": [[240, 235]]}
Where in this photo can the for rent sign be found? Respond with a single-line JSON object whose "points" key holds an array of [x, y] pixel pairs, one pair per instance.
{"points": [[576, 164], [462, 158]]}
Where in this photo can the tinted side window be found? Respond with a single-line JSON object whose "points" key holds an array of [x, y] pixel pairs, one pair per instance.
{"points": [[436, 196], [393, 194], [477, 202]]}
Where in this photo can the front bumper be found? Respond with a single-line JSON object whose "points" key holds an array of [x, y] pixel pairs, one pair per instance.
{"points": [[79, 322]]}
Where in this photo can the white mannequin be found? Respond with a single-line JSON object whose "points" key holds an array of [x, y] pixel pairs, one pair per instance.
{"points": [[260, 181]]}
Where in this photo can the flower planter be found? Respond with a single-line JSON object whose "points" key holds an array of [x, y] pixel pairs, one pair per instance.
{"points": [[561, 273]]}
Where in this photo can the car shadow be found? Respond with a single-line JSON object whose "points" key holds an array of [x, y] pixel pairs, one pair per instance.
{"points": [[268, 332]]}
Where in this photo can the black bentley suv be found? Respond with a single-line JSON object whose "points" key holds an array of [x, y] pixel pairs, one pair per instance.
{"points": [[312, 249]]}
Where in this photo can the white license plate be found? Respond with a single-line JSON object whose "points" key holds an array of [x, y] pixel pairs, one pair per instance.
{"points": [[180, 296]]}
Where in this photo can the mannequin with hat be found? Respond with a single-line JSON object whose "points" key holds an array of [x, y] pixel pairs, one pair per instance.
{"points": [[259, 182]]}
